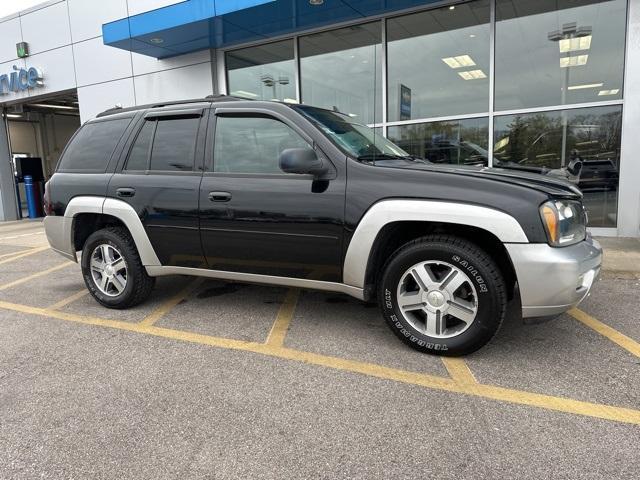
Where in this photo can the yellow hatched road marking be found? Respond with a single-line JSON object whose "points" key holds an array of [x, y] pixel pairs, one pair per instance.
{"points": [[459, 370], [25, 253], [70, 299], [35, 275], [283, 320], [167, 306], [566, 405], [606, 331]]}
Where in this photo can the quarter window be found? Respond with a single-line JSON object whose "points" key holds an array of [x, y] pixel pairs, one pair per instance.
{"points": [[252, 144], [92, 147]]}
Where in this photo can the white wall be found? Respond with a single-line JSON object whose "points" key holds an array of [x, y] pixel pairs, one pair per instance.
{"points": [[65, 40]]}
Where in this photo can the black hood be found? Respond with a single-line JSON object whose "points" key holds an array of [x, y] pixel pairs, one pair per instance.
{"points": [[555, 187]]}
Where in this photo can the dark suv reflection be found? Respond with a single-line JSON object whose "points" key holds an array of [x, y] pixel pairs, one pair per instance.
{"points": [[587, 166]]}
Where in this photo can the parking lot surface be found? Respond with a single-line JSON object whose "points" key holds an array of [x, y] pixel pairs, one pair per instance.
{"points": [[212, 380]]}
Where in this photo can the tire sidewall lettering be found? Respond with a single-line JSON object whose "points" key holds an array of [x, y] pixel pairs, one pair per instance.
{"points": [[472, 272]]}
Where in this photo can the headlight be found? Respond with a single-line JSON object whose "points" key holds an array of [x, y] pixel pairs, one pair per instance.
{"points": [[565, 222]]}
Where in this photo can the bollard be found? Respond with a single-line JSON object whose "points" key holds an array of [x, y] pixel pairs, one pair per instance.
{"points": [[32, 196]]}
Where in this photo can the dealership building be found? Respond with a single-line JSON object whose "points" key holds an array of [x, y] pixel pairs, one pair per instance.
{"points": [[545, 86]]}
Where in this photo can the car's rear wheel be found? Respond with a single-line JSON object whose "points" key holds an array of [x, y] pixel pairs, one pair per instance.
{"points": [[113, 271], [442, 294]]}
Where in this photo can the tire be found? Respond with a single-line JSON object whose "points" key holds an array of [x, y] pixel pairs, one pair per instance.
{"points": [[129, 285], [443, 312]]}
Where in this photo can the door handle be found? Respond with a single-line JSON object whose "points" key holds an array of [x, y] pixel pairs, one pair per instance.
{"points": [[126, 192], [219, 196]]}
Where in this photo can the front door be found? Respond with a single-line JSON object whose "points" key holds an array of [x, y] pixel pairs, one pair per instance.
{"points": [[161, 178], [257, 219]]}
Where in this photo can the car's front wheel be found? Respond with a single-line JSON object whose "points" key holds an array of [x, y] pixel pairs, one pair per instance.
{"points": [[113, 271], [442, 294]]}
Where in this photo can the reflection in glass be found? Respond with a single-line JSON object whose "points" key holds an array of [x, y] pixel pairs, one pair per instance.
{"points": [[265, 72], [341, 70], [581, 146], [358, 140], [438, 62], [459, 142], [252, 144], [558, 53]]}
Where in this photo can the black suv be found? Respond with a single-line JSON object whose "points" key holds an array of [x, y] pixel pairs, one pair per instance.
{"points": [[299, 196]]}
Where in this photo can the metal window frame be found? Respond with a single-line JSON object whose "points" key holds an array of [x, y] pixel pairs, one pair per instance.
{"points": [[491, 114]]}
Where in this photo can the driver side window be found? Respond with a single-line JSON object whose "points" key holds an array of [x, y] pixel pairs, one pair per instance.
{"points": [[252, 144]]}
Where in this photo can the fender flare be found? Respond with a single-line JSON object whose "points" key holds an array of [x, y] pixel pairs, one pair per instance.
{"points": [[118, 209], [502, 225]]}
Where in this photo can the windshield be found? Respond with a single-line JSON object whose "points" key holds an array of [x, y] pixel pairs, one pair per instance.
{"points": [[356, 140]]}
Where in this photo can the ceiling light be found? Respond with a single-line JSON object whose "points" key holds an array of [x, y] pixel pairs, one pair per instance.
{"points": [[586, 85], [603, 93], [452, 7], [574, 44], [243, 93], [459, 61], [315, 3], [13, 115], [573, 61], [472, 75], [156, 40], [57, 107]]}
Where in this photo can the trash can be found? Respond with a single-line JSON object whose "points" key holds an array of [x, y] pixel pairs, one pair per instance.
{"points": [[34, 206]]}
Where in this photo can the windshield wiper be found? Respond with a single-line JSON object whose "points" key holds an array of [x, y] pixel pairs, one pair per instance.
{"points": [[372, 157]]}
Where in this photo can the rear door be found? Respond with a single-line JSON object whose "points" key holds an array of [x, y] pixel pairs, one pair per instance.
{"points": [[160, 178], [257, 219]]}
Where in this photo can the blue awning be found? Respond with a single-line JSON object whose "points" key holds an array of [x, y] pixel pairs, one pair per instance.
{"points": [[200, 24]]}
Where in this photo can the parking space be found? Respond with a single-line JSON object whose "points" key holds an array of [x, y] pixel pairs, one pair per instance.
{"points": [[212, 379]]}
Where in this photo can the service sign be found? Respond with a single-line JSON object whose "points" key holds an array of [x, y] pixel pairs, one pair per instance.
{"points": [[21, 79]]}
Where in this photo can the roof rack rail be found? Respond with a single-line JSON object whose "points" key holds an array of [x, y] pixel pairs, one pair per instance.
{"points": [[208, 98]]}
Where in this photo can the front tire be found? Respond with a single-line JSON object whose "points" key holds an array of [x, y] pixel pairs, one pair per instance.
{"points": [[113, 271], [442, 294]]}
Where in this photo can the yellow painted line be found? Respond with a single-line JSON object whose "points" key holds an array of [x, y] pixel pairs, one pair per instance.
{"points": [[20, 252], [459, 370], [566, 405], [35, 275], [70, 299], [23, 254], [170, 304], [606, 331], [283, 320]]}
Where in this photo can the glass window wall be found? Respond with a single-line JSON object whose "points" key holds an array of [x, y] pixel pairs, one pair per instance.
{"points": [[342, 70], [581, 146], [558, 52], [438, 62], [265, 72], [459, 142]]}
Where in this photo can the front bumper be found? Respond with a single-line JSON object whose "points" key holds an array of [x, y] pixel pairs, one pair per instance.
{"points": [[553, 280]]}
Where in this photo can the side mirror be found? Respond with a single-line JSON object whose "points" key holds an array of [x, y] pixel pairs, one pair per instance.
{"points": [[301, 161]]}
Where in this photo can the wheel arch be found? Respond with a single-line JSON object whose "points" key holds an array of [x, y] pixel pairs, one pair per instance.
{"points": [[390, 224], [85, 215]]}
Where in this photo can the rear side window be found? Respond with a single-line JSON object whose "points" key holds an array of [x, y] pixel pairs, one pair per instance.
{"points": [[91, 149], [165, 145], [174, 144]]}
